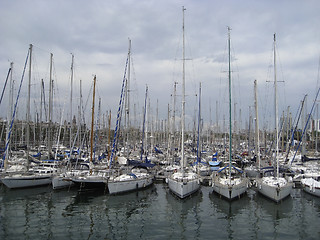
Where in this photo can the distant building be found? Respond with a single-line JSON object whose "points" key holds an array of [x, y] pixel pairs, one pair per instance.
{"points": [[314, 125]]}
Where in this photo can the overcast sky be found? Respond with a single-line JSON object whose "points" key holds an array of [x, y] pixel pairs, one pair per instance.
{"points": [[97, 33]]}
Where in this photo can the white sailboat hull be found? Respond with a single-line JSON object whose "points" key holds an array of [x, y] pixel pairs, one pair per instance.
{"points": [[183, 186], [120, 186], [24, 181], [183, 189], [274, 189], [59, 182], [230, 190], [311, 186], [90, 182]]}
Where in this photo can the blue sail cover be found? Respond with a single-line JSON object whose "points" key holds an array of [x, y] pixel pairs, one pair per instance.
{"points": [[157, 150], [37, 155], [137, 163], [214, 163]]}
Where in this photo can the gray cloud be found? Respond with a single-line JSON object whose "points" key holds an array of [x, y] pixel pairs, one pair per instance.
{"points": [[97, 32]]}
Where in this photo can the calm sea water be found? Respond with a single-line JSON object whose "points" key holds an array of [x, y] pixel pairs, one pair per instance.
{"points": [[154, 213]]}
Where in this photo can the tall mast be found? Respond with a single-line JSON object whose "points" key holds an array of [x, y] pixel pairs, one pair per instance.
{"points": [[199, 128], [28, 106], [230, 105], [183, 94], [109, 134], [80, 115], [127, 103], [128, 86], [143, 150], [317, 127], [40, 118], [257, 140], [174, 114], [71, 88], [276, 103], [9, 117], [50, 108], [92, 122]]}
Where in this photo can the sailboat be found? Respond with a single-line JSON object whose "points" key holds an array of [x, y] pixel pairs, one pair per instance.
{"points": [[92, 179], [275, 187], [184, 182], [64, 179], [311, 186], [229, 182], [129, 179], [252, 171], [137, 178], [202, 167], [32, 177]]}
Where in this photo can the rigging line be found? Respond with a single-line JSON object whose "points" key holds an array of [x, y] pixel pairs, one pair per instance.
{"points": [[5, 85], [296, 121], [84, 106], [318, 73], [36, 47], [143, 125], [117, 127], [15, 107], [234, 63], [305, 127], [282, 75]]}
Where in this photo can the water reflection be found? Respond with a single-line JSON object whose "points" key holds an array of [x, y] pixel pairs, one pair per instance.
{"points": [[231, 216], [187, 214], [271, 218], [40, 213], [229, 208], [21, 209], [128, 213], [24, 193], [275, 210], [311, 200]]}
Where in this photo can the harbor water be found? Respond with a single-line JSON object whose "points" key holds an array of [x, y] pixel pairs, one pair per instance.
{"points": [[154, 213]]}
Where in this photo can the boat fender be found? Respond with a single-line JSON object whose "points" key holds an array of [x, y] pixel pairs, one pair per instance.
{"points": [[167, 180], [260, 187], [144, 185]]}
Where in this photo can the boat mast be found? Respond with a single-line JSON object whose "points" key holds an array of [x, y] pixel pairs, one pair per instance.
{"points": [[9, 117], [316, 128], [182, 163], [28, 107], [50, 109], [71, 88], [174, 115], [144, 131], [257, 140], [199, 129], [276, 104], [40, 118], [127, 103], [109, 134], [230, 105], [80, 116], [92, 123]]}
